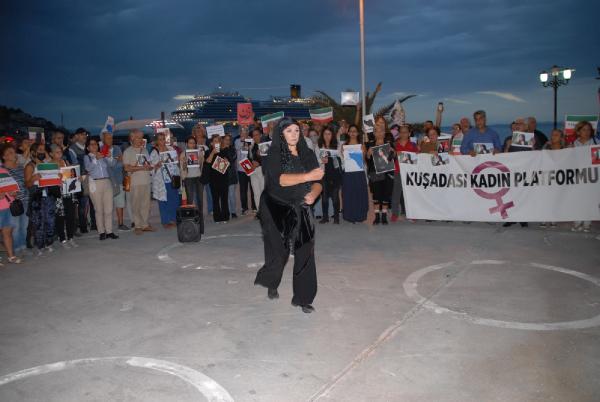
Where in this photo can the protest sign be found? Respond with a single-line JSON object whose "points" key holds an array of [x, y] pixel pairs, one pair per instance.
{"points": [[71, 182], [322, 115], [522, 139], [7, 183], [483, 147], [247, 166], [353, 158], [368, 123], [220, 165], [192, 157], [168, 157], [263, 148], [543, 186], [328, 153], [442, 158], [408, 157], [50, 174], [350, 98], [215, 130], [142, 160], [383, 158], [109, 125], [36, 134], [245, 115]]}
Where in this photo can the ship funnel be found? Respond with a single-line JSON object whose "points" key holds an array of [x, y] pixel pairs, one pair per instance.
{"points": [[295, 91]]}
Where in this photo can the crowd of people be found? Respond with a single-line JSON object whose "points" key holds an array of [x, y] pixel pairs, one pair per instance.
{"points": [[124, 179]]}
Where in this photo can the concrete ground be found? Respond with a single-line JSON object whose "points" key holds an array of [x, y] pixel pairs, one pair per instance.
{"points": [[409, 312]]}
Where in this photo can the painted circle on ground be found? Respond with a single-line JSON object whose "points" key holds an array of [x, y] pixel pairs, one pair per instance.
{"points": [[411, 284], [208, 387], [164, 254]]}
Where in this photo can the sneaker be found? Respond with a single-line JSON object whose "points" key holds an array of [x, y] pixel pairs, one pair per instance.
{"points": [[65, 244], [39, 252], [123, 228], [73, 244], [576, 228], [586, 229], [49, 249]]}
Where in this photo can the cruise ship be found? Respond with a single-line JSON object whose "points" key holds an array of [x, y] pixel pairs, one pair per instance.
{"points": [[220, 107]]}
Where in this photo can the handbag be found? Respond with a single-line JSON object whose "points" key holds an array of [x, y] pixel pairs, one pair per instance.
{"points": [[127, 183], [16, 207]]}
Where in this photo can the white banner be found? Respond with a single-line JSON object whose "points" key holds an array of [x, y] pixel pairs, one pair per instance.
{"points": [[544, 186]]}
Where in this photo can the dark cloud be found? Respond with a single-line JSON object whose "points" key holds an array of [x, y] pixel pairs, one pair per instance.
{"points": [[89, 59]]}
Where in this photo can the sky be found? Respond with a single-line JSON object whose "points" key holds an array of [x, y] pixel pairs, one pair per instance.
{"points": [[89, 59]]}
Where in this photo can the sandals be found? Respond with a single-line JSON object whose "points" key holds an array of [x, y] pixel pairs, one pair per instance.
{"points": [[15, 260]]}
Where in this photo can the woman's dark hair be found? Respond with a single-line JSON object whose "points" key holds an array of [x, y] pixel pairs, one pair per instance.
{"points": [[34, 149], [191, 137], [360, 134], [333, 143], [3, 148], [437, 130], [95, 138], [279, 146]]}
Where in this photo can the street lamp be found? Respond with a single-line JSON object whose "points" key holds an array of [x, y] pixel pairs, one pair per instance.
{"points": [[363, 94], [556, 77]]}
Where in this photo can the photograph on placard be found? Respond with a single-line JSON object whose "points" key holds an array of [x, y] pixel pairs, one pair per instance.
{"points": [[142, 160], [353, 158], [36, 134], [71, 182], [368, 123], [410, 158], [442, 158], [168, 157], [263, 148], [246, 164], [483, 148], [220, 165], [192, 157], [383, 158], [523, 139]]}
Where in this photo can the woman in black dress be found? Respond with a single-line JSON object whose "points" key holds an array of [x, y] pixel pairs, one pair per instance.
{"points": [[292, 185], [381, 184], [332, 181]]}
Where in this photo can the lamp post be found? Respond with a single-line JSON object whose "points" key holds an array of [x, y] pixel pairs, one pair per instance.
{"points": [[363, 94], [556, 77]]}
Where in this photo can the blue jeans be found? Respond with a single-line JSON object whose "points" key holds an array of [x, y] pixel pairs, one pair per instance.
{"points": [[168, 208], [209, 201], [231, 198], [19, 232]]}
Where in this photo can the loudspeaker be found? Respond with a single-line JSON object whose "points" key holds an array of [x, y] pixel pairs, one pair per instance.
{"points": [[189, 224]]}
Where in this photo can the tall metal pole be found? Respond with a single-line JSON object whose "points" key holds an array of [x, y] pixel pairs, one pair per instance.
{"points": [[555, 99], [363, 93]]}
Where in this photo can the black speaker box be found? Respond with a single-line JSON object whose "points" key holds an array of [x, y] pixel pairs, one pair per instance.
{"points": [[189, 224]]}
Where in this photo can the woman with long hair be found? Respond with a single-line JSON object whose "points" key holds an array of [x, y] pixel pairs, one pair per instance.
{"points": [[403, 144], [292, 176], [332, 181], [355, 193], [231, 174], [381, 184], [219, 182], [166, 180], [42, 201], [66, 213], [191, 174], [101, 192]]}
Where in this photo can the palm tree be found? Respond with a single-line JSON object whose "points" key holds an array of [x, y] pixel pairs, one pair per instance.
{"points": [[350, 113]]}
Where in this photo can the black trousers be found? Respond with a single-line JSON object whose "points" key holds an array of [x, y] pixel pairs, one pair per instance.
{"points": [[244, 181], [277, 253], [85, 207], [220, 196], [67, 221], [330, 190]]}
